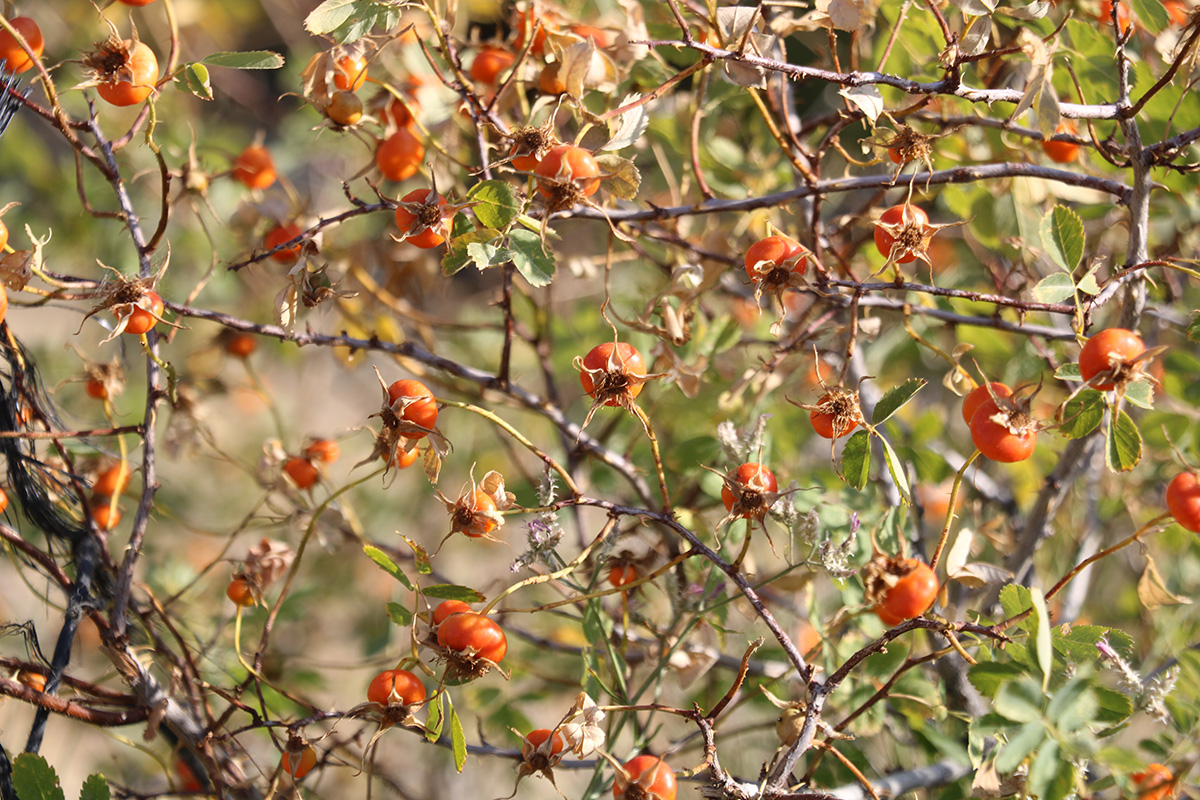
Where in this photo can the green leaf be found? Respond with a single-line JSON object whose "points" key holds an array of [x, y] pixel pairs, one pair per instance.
{"points": [[386, 564], [1078, 643], [1073, 706], [1114, 706], [535, 264], [1019, 746], [487, 255], [895, 398], [989, 676], [1051, 776], [1045, 648], [1019, 701], [1088, 283], [95, 788], [1150, 13], [450, 591], [458, 740], [193, 78], [436, 717], [896, 468], [1068, 372], [458, 252], [399, 614], [420, 557], [328, 16], [497, 204], [1061, 230], [1014, 600], [1054, 288], [34, 779], [1083, 413], [1193, 329], [1124, 443], [1140, 394], [249, 59], [856, 460]]}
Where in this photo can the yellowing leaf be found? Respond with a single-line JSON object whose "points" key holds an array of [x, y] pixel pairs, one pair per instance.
{"points": [[1153, 592]]}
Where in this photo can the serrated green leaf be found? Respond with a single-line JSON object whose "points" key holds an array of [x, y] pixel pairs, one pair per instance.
{"points": [[436, 718], [1083, 413], [1051, 776], [384, 561], [856, 460], [1079, 643], [458, 252], [326, 17], [450, 591], [896, 469], [1014, 600], [399, 614], [894, 399], [1114, 706], [1019, 701], [532, 261], [1043, 635], [458, 740], [487, 255], [95, 788], [1124, 449], [248, 59], [1027, 739], [193, 78], [34, 779], [1061, 231], [1140, 394], [496, 206], [1068, 372], [1054, 288], [989, 676]]}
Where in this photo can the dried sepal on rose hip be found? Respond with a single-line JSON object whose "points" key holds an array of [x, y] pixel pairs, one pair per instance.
{"points": [[1002, 427], [905, 145], [1114, 358], [124, 71], [836, 413], [476, 513], [903, 234], [133, 302], [748, 492], [471, 645], [529, 145], [613, 374], [425, 218], [299, 757], [541, 751], [643, 777], [344, 68], [104, 381], [899, 589], [409, 413], [265, 563], [395, 694]]}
